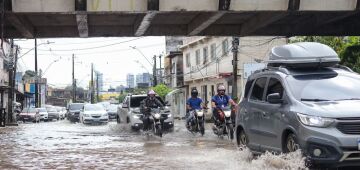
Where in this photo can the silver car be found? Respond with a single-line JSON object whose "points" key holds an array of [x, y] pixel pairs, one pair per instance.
{"points": [[93, 113], [316, 110], [130, 113]]}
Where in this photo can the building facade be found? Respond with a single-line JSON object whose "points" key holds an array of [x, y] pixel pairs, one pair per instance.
{"points": [[207, 62], [130, 81]]}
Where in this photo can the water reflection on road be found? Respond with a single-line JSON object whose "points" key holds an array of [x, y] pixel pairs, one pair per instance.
{"points": [[64, 145]]}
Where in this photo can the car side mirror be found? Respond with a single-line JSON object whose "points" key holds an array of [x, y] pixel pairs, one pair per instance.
{"points": [[124, 105], [274, 98]]}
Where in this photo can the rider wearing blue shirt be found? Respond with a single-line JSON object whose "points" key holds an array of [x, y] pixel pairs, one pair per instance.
{"points": [[193, 103], [219, 101]]}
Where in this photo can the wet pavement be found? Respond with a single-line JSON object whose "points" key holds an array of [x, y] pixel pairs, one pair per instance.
{"points": [[64, 145]]}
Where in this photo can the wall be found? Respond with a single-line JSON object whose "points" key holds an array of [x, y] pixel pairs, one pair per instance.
{"points": [[43, 5]]}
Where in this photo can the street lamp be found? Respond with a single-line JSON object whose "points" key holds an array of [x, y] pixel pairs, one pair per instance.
{"points": [[48, 42], [135, 48], [47, 68]]}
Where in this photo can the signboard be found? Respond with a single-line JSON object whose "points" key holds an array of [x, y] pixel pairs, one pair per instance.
{"points": [[29, 88], [250, 68]]}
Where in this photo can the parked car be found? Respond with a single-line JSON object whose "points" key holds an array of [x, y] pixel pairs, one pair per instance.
{"points": [[43, 114], [53, 113], [30, 115], [303, 100], [130, 113], [93, 113], [73, 111], [112, 111], [62, 112]]}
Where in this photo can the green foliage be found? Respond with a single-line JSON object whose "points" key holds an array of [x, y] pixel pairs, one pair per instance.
{"points": [[121, 98], [346, 47], [351, 57], [162, 90]]}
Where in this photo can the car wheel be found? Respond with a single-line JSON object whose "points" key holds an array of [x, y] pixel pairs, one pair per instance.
{"points": [[291, 144], [241, 138], [118, 119]]}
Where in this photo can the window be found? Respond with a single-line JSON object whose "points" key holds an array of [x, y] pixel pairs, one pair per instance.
{"points": [[204, 92], [258, 89], [205, 54], [248, 87], [225, 47], [197, 54], [275, 86], [213, 51], [188, 63]]}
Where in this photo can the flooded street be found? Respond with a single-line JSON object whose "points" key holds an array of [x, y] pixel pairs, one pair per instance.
{"points": [[63, 145]]}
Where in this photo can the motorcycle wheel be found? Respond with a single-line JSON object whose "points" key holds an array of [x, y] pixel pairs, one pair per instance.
{"points": [[202, 128], [230, 131]]}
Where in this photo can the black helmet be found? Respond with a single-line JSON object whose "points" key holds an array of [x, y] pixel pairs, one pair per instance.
{"points": [[194, 92]]}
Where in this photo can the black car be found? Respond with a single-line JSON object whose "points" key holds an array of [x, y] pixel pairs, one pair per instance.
{"points": [[73, 111], [112, 111]]}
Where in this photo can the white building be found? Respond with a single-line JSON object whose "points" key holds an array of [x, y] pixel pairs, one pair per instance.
{"points": [[208, 61]]}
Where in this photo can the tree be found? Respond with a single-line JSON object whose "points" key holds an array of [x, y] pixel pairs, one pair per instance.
{"points": [[28, 75], [162, 90]]}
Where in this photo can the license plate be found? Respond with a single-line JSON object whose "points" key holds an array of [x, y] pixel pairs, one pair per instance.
{"points": [[358, 144], [96, 120]]}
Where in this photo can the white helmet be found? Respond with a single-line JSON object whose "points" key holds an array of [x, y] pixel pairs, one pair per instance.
{"points": [[151, 92], [221, 88]]}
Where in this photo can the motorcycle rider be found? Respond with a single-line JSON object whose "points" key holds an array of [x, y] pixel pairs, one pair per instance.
{"points": [[193, 103], [220, 100], [146, 105]]}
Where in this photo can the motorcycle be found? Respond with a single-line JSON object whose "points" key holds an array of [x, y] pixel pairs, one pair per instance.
{"points": [[197, 122], [225, 125], [155, 121]]}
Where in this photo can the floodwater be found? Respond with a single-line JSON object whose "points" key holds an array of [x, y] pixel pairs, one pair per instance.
{"points": [[64, 145]]}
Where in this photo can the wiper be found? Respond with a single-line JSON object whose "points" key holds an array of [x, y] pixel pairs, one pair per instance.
{"points": [[314, 100]]}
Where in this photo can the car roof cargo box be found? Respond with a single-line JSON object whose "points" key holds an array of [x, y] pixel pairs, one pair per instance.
{"points": [[303, 55]]}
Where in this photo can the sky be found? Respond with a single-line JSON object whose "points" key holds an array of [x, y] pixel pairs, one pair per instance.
{"points": [[113, 57]]}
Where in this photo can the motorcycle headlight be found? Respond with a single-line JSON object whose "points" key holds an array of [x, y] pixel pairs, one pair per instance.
{"points": [[136, 116], [227, 113], [157, 116], [200, 113], [315, 121]]}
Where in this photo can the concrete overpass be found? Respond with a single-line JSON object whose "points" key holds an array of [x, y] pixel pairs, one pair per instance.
{"points": [[116, 18]]}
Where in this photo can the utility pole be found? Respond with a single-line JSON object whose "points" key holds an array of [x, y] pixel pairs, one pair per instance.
{"points": [[92, 84], [97, 87], [75, 90], [73, 79], [14, 82], [154, 72], [36, 78], [160, 70], [11, 89], [235, 50]]}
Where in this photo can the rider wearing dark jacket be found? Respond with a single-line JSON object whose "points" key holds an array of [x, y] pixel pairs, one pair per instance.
{"points": [[147, 104]]}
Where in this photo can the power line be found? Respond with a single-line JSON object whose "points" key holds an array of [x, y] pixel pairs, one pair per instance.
{"points": [[96, 47]]}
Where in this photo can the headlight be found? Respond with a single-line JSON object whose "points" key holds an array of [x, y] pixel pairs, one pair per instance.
{"points": [[315, 121], [169, 115], [136, 116], [157, 116], [227, 113]]}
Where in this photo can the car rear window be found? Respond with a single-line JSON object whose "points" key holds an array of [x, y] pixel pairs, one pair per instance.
{"points": [[29, 110], [76, 106]]}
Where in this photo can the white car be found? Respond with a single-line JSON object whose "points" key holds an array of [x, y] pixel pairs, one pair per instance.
{"points": [[44, 115], [93, 113], [62, 112]]}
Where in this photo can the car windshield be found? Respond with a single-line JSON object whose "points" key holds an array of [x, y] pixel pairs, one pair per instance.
{"points": [[113, 108], [326, 87], [41, 109], [29, 110], [136, 101], [52, 109], [76, 106], [94, 107]]}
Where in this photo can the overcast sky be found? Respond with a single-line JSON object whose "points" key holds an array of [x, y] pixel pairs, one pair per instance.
{"points": [[111, 56]]}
